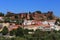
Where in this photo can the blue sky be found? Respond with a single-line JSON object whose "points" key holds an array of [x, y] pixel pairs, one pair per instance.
{"points": [[17, 6]]}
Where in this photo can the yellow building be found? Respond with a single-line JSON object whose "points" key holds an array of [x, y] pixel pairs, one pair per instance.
{"points": [[2, 25], [6, 24]]}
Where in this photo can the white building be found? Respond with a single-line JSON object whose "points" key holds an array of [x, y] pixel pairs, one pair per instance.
{"points": [[28, 22], [45, 25], [57, 27], [1, 18]]}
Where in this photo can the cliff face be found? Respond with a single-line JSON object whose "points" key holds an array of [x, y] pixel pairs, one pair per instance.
{"points": [[37, 15]]}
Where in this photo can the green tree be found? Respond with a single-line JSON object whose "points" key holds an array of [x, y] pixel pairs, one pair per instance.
{"points": [[38, 34], [1, 14], [31, 18], [19, 21], [5, 30], [19, 32], [7, 19], [38, 12], [16, 17], [13, 32], [26, 31]]}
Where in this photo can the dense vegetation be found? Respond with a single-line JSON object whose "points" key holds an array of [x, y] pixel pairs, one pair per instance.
{"points": [[22, 34]]}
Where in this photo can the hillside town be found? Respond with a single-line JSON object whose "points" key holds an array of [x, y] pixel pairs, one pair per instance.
{"points": [[31, 20], [29, 26]]}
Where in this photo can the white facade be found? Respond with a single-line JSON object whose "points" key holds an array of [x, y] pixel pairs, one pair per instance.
{"points": [[57, 27], [27, 22], [44, 22], [1, 18]]}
